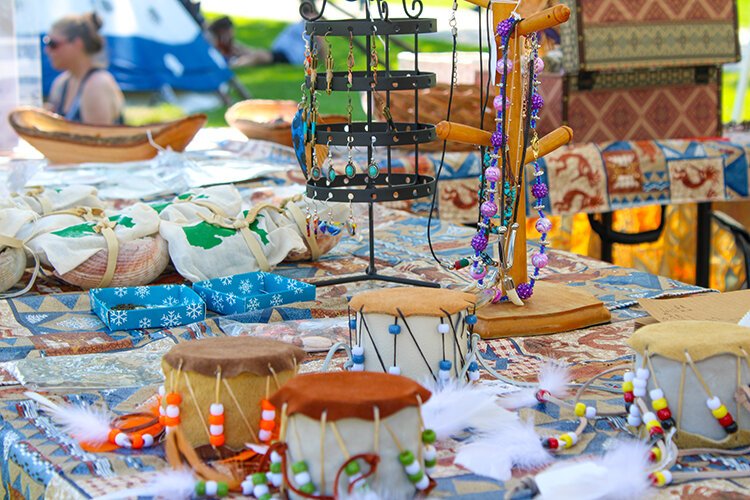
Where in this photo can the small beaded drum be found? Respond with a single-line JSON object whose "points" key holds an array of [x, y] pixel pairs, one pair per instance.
{"points": [[332, 422], [216, 389], [692, 375], [415, 332]]}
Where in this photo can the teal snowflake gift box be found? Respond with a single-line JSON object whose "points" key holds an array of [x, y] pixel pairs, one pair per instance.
{"points": [[129, 308], [252, 291]]}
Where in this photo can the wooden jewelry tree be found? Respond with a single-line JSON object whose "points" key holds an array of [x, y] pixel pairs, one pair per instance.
{"points": [[553, 307]]}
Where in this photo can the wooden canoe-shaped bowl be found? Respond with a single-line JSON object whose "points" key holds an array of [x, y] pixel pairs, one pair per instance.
{"points": [[64, 141], [269, 120]]}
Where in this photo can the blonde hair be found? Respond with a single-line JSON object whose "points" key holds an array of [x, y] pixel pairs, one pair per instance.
{"points": [[84, 26]]}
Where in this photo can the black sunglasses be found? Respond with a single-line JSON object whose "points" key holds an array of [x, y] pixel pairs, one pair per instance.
{"points": [[52, 43]]}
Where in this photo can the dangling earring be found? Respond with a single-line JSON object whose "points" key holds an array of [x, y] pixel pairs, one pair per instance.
{"points": [[351, 226], [329, 65], [308, 217], [316, 220], [350, 169], [330, 173], [373, 170]]}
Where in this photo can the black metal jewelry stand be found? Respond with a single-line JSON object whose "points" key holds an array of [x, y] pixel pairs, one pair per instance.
{"points": [[387, 186]]}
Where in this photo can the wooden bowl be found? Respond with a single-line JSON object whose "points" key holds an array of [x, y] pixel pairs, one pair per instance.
{"points": [[64, 141], [267, 120]]}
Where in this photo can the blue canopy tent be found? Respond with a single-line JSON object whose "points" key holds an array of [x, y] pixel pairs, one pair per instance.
{"points": [[149, 45]]}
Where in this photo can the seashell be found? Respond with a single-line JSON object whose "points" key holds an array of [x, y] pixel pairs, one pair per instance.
{"points": [[325, 244], [12, 266], [139, 262]]}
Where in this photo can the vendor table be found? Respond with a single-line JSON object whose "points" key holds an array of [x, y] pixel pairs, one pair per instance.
{"points": [[53, 343]]}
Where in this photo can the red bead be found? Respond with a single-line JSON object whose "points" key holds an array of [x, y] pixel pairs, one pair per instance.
{"points": [[541, 396], [553, 444], [655, 430], [726, 420], [653, 479], [664, 414], [629, 397], [652, 456]]}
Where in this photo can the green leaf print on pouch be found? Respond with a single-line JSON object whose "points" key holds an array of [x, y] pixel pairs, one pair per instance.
{"points": [[87, 228], [205, 235]]}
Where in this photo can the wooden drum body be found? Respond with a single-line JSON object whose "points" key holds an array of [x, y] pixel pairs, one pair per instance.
{"points": [[420, 333], [328, 418], [702, 370], [236, 372]]}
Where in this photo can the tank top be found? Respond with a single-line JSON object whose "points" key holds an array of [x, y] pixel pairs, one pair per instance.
{"points": [[74, 113]]}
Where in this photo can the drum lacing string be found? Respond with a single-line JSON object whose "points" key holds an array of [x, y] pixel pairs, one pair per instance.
{"points": [[454, 327], [376, 430], [698, 375], [395, 342], [349, 317], [323, 418], [369, 334], [217, 388], [239, 409], [411, 334], [394, 437], [420, 449], [268, 386], [340, 440], [739, 384], [442, 338], [198, 409], [275, 377], [682, 393]]}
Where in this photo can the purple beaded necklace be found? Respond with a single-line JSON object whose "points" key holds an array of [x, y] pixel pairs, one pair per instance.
{"points": [[500, 288]]}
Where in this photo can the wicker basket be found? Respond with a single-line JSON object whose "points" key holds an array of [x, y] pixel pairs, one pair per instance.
{"points": [[433, 106]]}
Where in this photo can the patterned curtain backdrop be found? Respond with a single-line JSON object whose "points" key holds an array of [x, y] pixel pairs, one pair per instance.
{"points": [[672, 255]]}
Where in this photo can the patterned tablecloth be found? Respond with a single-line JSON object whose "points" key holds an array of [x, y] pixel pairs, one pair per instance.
{"points": [[53, 343]]}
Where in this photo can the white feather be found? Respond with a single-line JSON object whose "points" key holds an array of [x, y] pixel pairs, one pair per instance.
{"points": [[497, 453], [554, 378], [621, 474], [168, 484], [85, 423], [455, 406]]}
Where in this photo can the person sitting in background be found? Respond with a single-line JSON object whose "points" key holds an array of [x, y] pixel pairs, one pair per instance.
{"points": [[85, 92], [288, 47]]}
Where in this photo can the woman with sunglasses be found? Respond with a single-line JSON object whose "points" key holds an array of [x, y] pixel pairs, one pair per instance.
{"points": [[85, 91]]}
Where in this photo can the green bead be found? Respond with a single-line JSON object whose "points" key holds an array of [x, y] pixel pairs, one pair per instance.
{"points": [[352, 468], [275, 467], [259, 478], [406, 457], [266, 496], [300, 466], [416, 477], [222, 489], [308, 488], [428, 436], [430, 463], [200, 488]]}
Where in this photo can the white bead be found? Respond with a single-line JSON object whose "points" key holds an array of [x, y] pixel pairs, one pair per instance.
{"points": [[474, 375], [275, 457], [430, 470], [260, 490], [634, 420], [302, 478], [639, 392], [162, 391], [217, 409], [573, 438], [356, 477], [264, 435], [423, 483], [358, 368], [122, 440], [173, 411], [635, 411], [444, 374], [247, 488], [358, 350], [216, 430], [430, 453], [268, 415], [148, 440], [714, 403], [667, 476], [639, 383], [161, 411], [642, 373], [394, 370], [212, 487], [656, 394], [649, 417], [274, 478], [443, 328], [628, 377], [590, 412], [412, 468]]}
